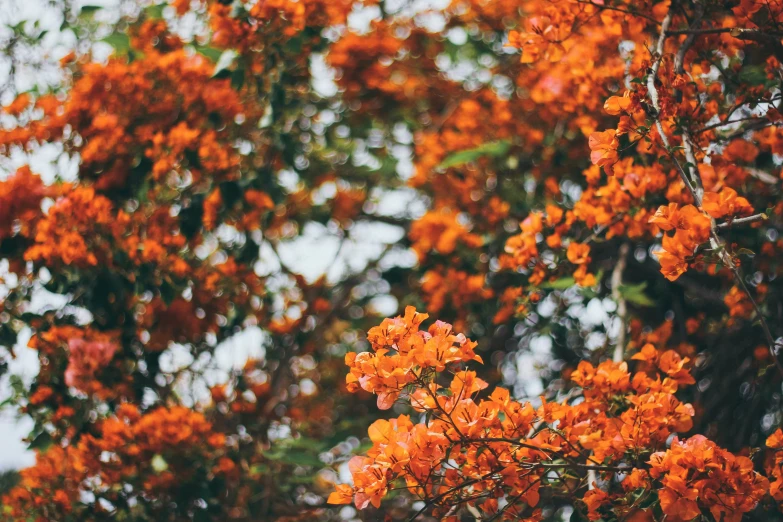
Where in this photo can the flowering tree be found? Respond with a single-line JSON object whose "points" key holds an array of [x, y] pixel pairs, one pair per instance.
{"points": [[588, 190], [610, 451]]}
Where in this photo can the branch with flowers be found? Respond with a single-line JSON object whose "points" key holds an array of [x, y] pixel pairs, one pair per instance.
{"points": [[500, 456]]}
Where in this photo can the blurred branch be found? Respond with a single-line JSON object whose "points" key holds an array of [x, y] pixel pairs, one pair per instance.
{"points": [[762, 176], [389, 220], [617, 295]]}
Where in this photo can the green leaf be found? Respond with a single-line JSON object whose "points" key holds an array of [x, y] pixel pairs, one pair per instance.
{"points": [[89, 10], [16, 384], [635, 294], [224, 62], [294, 46], [493, 149], [41, 441], [563, 283], [167, 292], [143, 191], [238, 79], [294, 457], [753, 74], [209, 52], [155, 11], [8, 479], [119, 41], [308, 443], [588, 293]]}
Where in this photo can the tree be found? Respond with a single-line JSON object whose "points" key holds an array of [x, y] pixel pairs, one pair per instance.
{"points": [[589, 191]]}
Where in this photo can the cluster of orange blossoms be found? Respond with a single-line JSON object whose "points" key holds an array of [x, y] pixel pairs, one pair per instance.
{"points": [[86, 350], [774, 465], [699, 476], [440, 232], [402, 355], [20, 201], [481, 451], [522, 249], [691, 229], [165, 108], [454, 287], [542, 135], [62, 236], [149, 451]]}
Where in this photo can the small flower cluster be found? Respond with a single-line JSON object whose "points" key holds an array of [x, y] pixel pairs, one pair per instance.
{"points": [[152, 452], [402, 355], [690, 229], [699, 476]]}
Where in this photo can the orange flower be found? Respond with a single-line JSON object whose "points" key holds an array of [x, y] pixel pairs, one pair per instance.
{"points": [[604, 149], [16, 107], [648, 353], [691, 229], [541, 40], [343, 494], [616, 104], [441, 232], [678, 500], [666, 217], [594, 499], [583, 278], [578, 253], [738, 303], [775, 441], [726, 203], [696, 474], [20, 202]]}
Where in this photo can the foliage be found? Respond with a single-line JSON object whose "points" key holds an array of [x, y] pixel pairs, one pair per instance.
{"points": [[589, 191]]}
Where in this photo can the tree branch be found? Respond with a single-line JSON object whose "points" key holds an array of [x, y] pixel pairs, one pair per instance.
{"points": [[734, 31], [679, 59], [622, 309], [742, 221], [715, 241]]}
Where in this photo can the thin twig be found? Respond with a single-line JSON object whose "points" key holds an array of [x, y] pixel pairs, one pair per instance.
{"points": [[742, 221], [620, 10], [764, 177], [723, 123], [720, 30], [652, 90], [431, 502], [679, 59]]}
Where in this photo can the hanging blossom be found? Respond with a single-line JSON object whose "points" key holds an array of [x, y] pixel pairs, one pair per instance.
{"points": [[85, 359]]}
